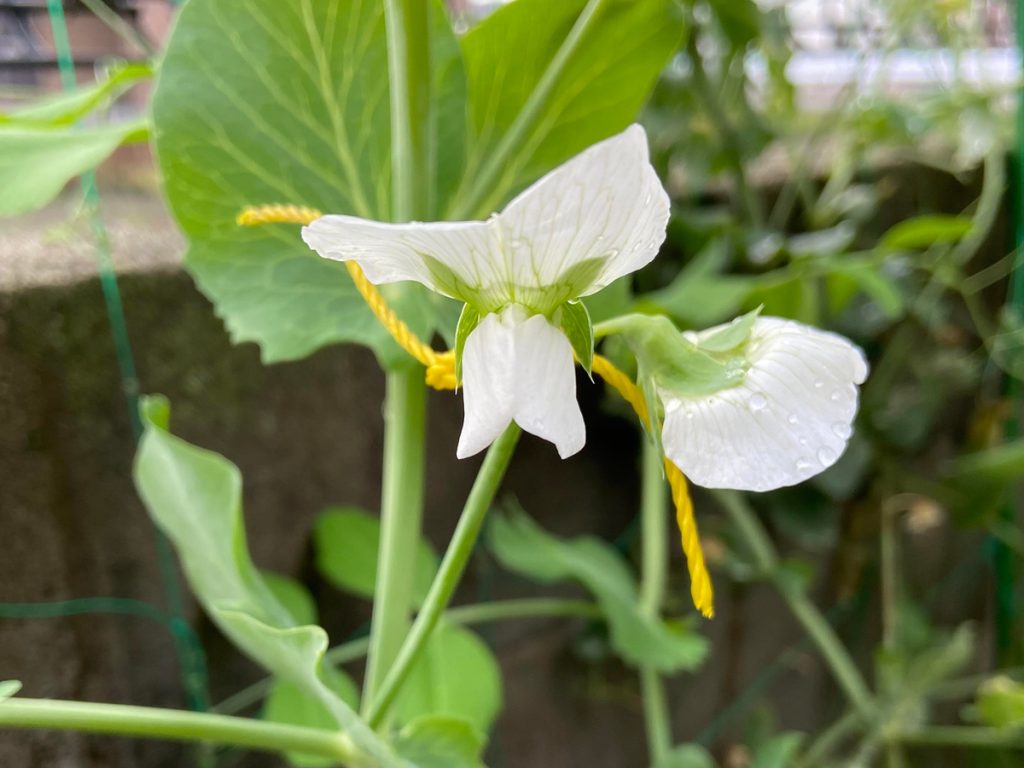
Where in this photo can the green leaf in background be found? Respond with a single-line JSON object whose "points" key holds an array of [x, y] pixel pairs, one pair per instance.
{"points": [[687, 756], [574, 320], [440, 742], [779, 751], [289, 704], [66, 108], [522, 546], [847, 277], [195, 497], [1000, 703], [293, 596], [599, 93], [701, 295], [925, 231], [36, 163], [346, 541], [9, 688], [457, 676], [269, 102]]}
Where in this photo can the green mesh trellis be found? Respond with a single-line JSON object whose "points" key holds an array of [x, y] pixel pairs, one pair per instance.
{"points": [[189, 651]]}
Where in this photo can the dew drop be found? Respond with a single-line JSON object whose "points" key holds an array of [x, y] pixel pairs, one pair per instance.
{"points": [[826, 456], [803, 441], [793, 419], [842, 430], [819, 384], [647, 200], [836, 396], [758, 401], [802, 465], [691, 413]]}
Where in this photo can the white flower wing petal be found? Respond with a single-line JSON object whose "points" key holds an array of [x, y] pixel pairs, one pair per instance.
{"points": [[606, 203], [789, 420], [488, 384], [465, 254], [546, 403]]}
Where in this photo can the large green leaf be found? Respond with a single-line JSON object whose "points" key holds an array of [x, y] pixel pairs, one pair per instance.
{"points": [[598, 94], [522, 546], [926, 231], [268, 102], [195, 497], [36, 163], [347, 542], [440, 742], [457, 676]]}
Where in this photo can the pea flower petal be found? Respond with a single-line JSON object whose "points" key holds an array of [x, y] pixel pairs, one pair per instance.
{"points": [[519, 368], [597, 217], [788, 420]]}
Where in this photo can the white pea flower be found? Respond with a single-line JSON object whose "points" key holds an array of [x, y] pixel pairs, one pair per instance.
{"points": [[597, 217], [787, 416]]}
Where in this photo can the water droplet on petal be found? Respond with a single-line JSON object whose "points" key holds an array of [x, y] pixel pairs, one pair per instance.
{"points": [[803, 441], [758, 401], [842, 430], [793, 419], [803, 465], [647, 199], [836, 396], [691, 413], [827, 457], [819, 384]]}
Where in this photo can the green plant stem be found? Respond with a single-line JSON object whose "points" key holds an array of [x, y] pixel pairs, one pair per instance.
{"points": [[405, 407], [731, 141], [829, 739], [889, 555], [654, 524], [401, 517], [120, 27], [153, 723], [810, 618], [475, 202], [408, 35], [452, 567], [500, 610], [965, 736]]}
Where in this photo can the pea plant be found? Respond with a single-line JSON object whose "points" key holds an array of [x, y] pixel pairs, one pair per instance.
{"points": [[472, 208]]}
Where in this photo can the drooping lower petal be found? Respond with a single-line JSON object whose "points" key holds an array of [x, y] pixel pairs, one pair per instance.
{"points": [[546, 403], [519, 368], [488, 384], [789, 420]]}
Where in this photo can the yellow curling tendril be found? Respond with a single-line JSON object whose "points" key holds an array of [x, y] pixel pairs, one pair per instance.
{"points": [[440, 375], [440, 365]]}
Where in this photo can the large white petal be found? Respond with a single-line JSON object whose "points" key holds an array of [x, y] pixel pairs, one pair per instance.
{"points": [[605, 203], [788, 421], [519, 368], [546, 403], [488, 383], [390, 253]]}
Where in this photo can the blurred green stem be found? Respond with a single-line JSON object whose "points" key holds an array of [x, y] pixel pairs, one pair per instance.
{"points": [[817, 627], [405, 402], [171, 724], [654, 523], [734, 151], [452, 567], [965, 736]]}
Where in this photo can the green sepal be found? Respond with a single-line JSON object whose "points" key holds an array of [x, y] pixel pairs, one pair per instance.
{"points": [[733, 335], [653, 402], [574, 320], [676, 364], [468, 321]]}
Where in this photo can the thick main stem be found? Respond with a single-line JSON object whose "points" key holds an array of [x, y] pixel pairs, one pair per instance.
{"points": [[654, 524], [153, 723], [405, 406], [452, 567], [401, 517], [816, 626]]}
